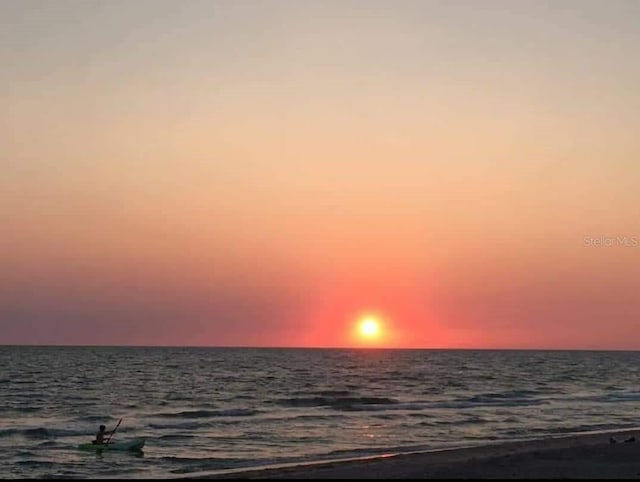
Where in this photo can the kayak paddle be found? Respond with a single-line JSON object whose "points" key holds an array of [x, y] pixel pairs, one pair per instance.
{"points": [[114, 431]]}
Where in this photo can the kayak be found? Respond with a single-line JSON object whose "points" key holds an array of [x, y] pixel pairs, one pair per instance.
{"points": [[129, 445], [134, 445]]}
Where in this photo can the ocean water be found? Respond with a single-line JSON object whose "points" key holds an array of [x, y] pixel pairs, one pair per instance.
{"points": [[207, 409]]}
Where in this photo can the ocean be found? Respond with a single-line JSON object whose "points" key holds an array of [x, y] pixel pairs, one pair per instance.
{"points": [[210, 409]]}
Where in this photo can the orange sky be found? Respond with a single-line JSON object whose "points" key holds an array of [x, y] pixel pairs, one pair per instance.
{"points": [[262, 173]]}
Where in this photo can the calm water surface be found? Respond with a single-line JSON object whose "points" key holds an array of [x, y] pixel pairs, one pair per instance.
{"points": [[204, 409]]}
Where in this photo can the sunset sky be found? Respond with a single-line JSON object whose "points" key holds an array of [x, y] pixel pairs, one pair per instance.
{"points": [[267, 173]]}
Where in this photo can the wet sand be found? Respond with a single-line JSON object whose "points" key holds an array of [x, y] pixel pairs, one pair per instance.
{"points": [[581, 456]]}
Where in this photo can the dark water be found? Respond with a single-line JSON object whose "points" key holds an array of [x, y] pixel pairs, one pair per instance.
{"points": [[217, 408]]}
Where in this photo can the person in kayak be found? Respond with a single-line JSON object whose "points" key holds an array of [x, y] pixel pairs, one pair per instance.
{"points": [[100, 435]]}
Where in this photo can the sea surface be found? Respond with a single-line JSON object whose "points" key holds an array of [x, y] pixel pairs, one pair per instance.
{"points": [[208, 409]]}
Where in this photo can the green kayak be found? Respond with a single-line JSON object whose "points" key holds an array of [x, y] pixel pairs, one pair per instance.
{"points": [[129, 445]]}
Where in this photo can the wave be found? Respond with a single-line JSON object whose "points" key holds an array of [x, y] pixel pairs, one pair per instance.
{"points": [[339, 403], [232, 412], [332, 393], [94, 419], [359, 452], [9, 432], [47, 444], [394, 406], [613, 397], [199, 464], [621, 397], [478, 404], [35, 463], [514, 398], [509, 394], [178, 426], [40, 433], [421, 415], [499, 399], [322, 417], [473, 419], [567, 430], [31, 409], [183, 459], [176, 437]]}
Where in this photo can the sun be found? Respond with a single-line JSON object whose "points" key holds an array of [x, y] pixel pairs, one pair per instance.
{"points": [[369, 327]]}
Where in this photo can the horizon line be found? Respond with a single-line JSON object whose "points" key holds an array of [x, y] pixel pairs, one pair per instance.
{"points": [[255, 347]]}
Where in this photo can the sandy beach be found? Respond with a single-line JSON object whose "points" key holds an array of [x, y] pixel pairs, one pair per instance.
{"points": [[581, 456]]}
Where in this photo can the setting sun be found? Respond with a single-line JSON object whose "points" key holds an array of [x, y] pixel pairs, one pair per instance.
{"points": [[369, 327]]}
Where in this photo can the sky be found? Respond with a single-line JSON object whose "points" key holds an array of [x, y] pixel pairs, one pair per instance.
{"points": [[266, 173]]}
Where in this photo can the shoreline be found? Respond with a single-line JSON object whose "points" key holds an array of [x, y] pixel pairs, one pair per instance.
{"points": [[577, 455]]}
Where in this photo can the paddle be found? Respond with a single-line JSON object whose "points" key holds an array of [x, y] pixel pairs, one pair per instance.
{"points": [[114, 431]]}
